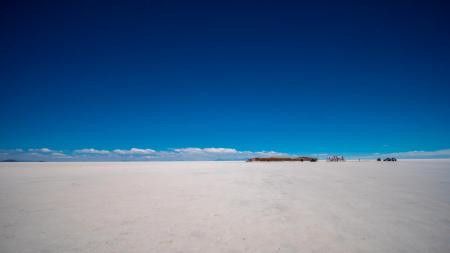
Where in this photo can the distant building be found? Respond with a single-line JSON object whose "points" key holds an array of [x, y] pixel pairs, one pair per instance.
{"points": [[336, 158]]}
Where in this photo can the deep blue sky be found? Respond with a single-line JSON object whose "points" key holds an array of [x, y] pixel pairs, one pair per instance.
{"points": [[316, 76]]}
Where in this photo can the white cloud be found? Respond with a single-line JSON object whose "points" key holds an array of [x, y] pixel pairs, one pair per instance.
{"points": [[59, 154], [193, 153], [189, 153], [443, 153], [221, 150], [422, 154], [92, 151], [41, 150], [134, 151], [188, 150], [268, 153], [207, 150]]}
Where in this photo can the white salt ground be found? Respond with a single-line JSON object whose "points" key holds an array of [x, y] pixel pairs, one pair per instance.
{"points": [[225, 207]]}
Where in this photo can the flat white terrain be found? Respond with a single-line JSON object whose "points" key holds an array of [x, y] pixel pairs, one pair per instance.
{"points": [[225, 207]]}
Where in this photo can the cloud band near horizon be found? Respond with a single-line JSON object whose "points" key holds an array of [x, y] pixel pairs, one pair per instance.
{"points": [[184, 154]]}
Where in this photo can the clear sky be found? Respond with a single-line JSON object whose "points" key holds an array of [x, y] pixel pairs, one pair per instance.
{"points": [[292, 77]]}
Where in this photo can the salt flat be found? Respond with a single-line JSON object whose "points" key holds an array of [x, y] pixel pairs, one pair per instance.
{"points": [[225, 207]]}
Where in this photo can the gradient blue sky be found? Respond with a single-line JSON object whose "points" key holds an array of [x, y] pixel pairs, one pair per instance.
{"points": [[303, 77]]}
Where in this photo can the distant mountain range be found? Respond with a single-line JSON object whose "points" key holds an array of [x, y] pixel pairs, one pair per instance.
{"points": [[9, 160], [14, 161]]}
